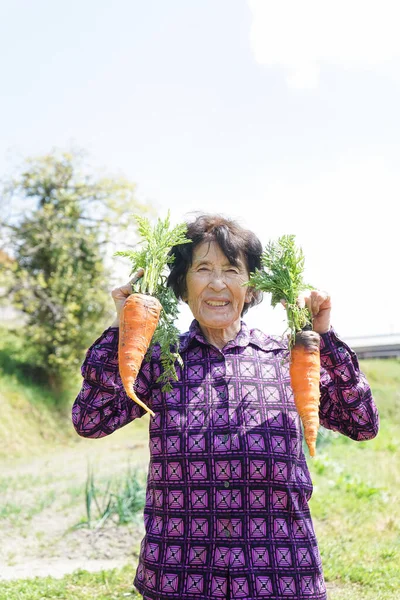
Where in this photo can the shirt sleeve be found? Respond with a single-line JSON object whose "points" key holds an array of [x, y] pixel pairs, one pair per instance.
{"points": [[102, 405], [346, 403]]}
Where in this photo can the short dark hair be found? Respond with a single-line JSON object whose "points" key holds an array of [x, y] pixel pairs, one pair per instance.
{"points": [[231, 238]]}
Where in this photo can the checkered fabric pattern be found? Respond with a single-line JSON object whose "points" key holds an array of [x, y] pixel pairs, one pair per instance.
{"points": [[226, 512]]}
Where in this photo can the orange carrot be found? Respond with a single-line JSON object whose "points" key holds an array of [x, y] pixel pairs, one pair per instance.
{"points": [[148, 315], [305, 377], [138, 322]]}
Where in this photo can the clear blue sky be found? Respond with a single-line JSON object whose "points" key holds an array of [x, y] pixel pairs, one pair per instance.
{"points": [[287, 121]]}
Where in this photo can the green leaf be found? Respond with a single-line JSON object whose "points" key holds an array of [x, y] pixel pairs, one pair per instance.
{"points": [[281, 276], [153, 257]]}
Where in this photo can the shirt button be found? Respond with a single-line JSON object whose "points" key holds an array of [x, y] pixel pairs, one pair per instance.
{"points": [[227, 534], [226, 484], [222, 395]]}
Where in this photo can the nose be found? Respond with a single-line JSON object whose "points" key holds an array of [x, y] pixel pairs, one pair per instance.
{"points": [[217, 282]]}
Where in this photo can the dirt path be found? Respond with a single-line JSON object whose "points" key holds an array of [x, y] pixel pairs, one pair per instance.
{"points": [[41, 499]]}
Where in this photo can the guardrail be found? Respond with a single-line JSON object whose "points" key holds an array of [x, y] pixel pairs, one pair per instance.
{"points": [[376, 346]]}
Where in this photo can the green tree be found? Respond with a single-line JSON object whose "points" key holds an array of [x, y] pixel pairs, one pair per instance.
{"points": [[66, 219]]}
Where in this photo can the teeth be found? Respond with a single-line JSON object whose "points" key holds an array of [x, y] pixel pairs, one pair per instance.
{"points": [[211, 303]]}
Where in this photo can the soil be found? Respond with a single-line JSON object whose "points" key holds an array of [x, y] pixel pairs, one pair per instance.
{"points": [[43, 498]]}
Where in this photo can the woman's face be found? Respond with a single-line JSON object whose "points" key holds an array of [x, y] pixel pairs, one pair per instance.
{"points": [[215, 291]]}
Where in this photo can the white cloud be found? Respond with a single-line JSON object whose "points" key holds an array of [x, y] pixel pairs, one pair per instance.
{"points": [[300, 36]]}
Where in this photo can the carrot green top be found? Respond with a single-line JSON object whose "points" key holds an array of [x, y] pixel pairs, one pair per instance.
{"points": [[282, 276]]}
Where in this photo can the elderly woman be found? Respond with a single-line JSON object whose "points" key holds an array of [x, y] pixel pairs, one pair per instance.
{"points": [[227, 511]]}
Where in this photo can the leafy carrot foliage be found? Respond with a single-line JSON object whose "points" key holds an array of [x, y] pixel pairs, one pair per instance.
{"points": [[281, 275], [153, 257]]}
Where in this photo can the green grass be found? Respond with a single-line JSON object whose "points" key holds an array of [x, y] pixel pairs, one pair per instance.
{"points": [[356, 500], [23, 482], [81, 585], [33, 418], [120, 499], [22, 512]]}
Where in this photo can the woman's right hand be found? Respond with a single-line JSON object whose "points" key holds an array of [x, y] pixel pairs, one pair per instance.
{"points": [[119, 295]]}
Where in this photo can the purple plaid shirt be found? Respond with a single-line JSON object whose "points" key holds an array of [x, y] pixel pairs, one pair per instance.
{"points": [[226, 513]]}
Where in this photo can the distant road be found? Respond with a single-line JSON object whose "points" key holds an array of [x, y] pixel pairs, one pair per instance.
{"points": [[375, 346]]}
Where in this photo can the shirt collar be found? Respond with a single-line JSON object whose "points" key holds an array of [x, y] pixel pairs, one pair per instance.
{"points": [[245, 337]]}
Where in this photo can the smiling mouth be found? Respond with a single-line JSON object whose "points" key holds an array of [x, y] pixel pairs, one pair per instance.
{"points": [[212, 303]]}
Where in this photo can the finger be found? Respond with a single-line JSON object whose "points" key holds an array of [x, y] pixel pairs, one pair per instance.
{"points": [[139, 273], [314, 303], [301, 301], [324, 296], [318, 298]]}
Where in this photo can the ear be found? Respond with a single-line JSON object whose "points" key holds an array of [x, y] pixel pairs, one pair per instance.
{"points": [[184, 295], [249, 295]]}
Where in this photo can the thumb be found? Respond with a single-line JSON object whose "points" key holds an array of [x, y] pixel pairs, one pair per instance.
{"points": [[139, 273], [122, 292]]}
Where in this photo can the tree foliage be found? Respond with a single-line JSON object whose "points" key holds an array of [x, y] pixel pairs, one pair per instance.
{"points": [[66, 219]]}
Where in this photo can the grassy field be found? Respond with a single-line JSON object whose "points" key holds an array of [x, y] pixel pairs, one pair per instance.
{"points": [[356, 500], [81, 585], [355, 505]]}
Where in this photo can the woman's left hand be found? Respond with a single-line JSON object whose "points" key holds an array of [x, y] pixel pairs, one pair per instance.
{"points": [[319, 304]]}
